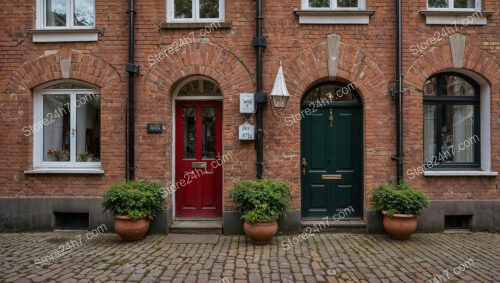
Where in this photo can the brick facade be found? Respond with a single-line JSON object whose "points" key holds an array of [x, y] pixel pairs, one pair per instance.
{"points": [[366, 57]]}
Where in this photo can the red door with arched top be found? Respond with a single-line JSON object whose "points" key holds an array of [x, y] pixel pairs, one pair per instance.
{"points": [[198, 150]]}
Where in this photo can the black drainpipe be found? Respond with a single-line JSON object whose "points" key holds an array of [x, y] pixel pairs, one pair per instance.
{"points": [[259, 42], [399, 99], [132, 70]]}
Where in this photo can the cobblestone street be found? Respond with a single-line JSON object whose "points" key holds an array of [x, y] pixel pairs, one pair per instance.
{"points": [[34, 257]]}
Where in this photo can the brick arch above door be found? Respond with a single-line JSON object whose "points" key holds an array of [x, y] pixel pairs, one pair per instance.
{"points": [[354, 65], [205, 59]]}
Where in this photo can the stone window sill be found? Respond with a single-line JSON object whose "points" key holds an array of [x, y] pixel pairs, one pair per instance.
{"points": [[195, 25], [460, 18], [90, 171], [460, 174], [338, 17], [64, 35]]}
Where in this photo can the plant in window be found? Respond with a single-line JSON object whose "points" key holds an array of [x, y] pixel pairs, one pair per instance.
{"points": [[86, 156], [58, 154]]}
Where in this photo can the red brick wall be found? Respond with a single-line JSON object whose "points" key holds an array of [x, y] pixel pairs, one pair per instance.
{"points": [[367, 58]]}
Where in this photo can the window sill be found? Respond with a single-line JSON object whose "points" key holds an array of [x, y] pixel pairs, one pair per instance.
{"points": [[195, 25], [64, 35], [65, 171], [339, 17], [460, 174], [461, 18]]}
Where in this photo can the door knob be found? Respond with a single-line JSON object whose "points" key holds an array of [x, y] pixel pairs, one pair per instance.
{"points": [[304, 164]]}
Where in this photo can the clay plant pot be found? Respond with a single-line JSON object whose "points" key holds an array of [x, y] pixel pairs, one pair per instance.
{"points": [[130, 229], [400, 226], [261, 232]]}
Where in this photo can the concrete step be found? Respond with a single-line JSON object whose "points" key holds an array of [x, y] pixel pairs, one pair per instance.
{"points": [[343, 226], [196, 226]]}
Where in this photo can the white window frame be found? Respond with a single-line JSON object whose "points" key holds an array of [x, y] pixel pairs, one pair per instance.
{"points": [[451, 7], [196, 13], [38, 151], [333, 6], [41, 14]]}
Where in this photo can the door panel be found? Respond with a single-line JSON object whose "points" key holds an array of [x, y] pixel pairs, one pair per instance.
{"points": [[198, 145], [331, 142]]}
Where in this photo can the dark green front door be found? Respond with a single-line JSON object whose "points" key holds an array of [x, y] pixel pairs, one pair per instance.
{"points": [[332, 159]]}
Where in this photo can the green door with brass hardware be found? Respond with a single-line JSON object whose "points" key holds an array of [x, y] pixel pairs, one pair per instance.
{"points": [[332, 156]]}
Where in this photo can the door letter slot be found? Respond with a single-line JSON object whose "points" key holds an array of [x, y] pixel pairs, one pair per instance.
{"points": [[199, 165], [331, 177]]}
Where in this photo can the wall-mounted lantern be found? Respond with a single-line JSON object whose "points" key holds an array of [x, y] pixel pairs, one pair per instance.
{"points": [[279, 94]]}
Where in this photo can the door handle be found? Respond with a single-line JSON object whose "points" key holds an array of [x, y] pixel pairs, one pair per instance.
{"points": [[304, 165]]}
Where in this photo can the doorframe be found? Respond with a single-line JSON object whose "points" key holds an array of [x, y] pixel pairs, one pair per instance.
{"points": [[361, 106], [175, 99]]}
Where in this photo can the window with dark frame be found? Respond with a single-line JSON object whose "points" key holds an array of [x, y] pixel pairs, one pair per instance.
{"points": [[451, 122]]}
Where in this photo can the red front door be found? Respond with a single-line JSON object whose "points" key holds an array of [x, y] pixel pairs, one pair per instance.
{"points": [[198, 168]]}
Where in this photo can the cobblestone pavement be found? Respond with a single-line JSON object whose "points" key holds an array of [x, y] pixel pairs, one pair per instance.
{"points": [[32, 257]]}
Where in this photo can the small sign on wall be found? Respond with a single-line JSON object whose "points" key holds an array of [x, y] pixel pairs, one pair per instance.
{"points": [[155, 127], [247, 103], [247, 132]]}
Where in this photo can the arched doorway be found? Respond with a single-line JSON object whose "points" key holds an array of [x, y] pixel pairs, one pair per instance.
{"points": [[198, 146], [331, 150]]}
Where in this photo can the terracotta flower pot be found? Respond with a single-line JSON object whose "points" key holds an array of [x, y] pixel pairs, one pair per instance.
{"points": [[261, 232], [129, 229], [400, 226]]}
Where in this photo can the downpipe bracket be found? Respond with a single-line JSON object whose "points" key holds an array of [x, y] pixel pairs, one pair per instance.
{"points": [[132, 68], [259, 41]]}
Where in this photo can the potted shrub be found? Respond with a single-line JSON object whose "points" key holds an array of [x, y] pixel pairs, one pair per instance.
{"points": [[261, 202], [400, 204], [134, 204]]}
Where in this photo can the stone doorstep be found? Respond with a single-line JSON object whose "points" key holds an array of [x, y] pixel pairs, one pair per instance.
{"points": [[344, 226], [196, 226]]}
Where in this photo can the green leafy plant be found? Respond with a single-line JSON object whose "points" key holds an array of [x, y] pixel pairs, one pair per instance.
{"points": [[86, 156], [261, 200], [399, 199], [136, 199], [58, 154]]}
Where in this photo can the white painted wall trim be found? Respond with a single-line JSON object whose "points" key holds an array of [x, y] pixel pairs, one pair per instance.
{"points": [[65, 171], [460, 173], [457, 19], [64, 35], [339, 17]]}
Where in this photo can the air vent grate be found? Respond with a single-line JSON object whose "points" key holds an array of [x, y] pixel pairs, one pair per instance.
{"points": [[68, 220]]}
